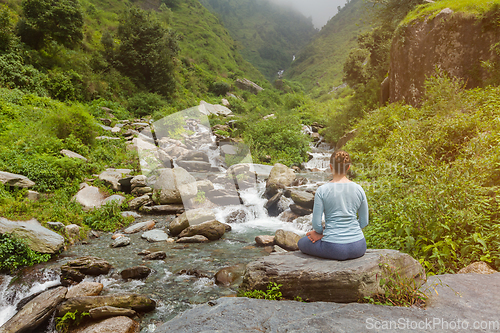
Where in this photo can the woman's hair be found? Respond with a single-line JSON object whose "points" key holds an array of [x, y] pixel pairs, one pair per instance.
{"points": [[340, 161]]}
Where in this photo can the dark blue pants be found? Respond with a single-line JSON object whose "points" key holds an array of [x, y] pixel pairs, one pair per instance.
{"points": [[333, 250]]}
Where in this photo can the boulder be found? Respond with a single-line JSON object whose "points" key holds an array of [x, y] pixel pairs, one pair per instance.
{"points": [[287, 240], [238, 216], [75, 270], [287, 216], [213, 230], [316, 279], [224, 197], [120, 242], [139, 202], [189, 218], [85, 289], [299, 210], [216, 109], [136, 273], [139, 191], [73, 232], [194, 155], [159, 255], [130, 213], [111, 176], [302, 198], [72, 154], [280, 177], [155, 235], [278, 249], [245, 84], [115, 198], [264, 240], [195, 166], [162, 209], [110, 311], [204, 185], [193, 239], [479, 267], [35, 312], [229, 275], [38, 238], [174, 185], [141, 226], [32, 195], [89, 197], [120, 324], [12, 179], [138, 181]]}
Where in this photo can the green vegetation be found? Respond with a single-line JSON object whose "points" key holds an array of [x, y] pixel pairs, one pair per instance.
{"points": [[399, 290], [270, 35], [272, 293], [431, 176], [15, 253], [69, 319]]}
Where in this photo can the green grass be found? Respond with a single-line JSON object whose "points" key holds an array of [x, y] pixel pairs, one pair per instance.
{"points": [[468, 7]]}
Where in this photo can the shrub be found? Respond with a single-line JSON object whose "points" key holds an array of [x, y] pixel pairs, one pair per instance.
{"points": [[220, 88], [15, 253], [143, 104], [272, 293], [72, 120], [107, 218]]}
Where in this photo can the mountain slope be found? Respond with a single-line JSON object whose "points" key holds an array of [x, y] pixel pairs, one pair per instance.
{"points": [[318, 67], [270, 35]]}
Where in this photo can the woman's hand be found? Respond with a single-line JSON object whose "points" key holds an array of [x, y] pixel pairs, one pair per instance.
{"points": [[314, 236]]}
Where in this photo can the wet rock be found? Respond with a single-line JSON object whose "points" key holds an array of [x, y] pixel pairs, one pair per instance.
{"points": [[287, 240], [238, 216], [159, 255], [12, 179], [213, 230], [280, 177], [193, 239], [111, 311], [38, 238], [162, 209], [139, 202], [72, 154], [75, 270], [155, 235], [299, 210], [85, 289], [35, 312], [273, 200], [302, 198], [229, 275], [120, 242], [111, 177], [287, 216], [135, 273], [264, 240], [195, 272], [141, 226], [174, 185], [316, 279], [89, 197], [119, 199], [135, 302], [189, 218], [478, 267]]}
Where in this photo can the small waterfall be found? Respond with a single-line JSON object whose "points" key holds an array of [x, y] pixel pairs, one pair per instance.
{"points": [[320, 152]]}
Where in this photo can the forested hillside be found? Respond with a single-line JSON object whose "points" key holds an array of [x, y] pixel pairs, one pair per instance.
{"points": [[319, 66], [269, 35]]}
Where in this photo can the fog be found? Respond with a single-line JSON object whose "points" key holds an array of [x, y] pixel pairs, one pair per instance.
{"points": [[320, 10]]}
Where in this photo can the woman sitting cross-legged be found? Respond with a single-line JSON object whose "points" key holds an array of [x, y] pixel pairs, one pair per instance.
{"points": [[346, 212]]}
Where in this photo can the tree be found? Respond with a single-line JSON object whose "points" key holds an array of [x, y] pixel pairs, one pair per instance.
{"points": [[146, 51], [51, 20]]}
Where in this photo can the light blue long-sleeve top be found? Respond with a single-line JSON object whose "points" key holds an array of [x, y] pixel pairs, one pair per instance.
{"points": [[346, 212]]}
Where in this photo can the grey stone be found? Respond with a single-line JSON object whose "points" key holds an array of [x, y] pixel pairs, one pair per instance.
{"points": [[32, 195], [85, 289], [130, 213], [119, 324], [35, 312], [75, 270], [193, 239], [73, 232], [111, 177], [38, 238], [139, 202], [317, 279], [89, 197], [246, 84], [216, 109], [158, 255], [139, 181], [189, 218], [141, 226], [155, 235], [174, 185], [280, 177], [287, 240], [264, 240], [116, 198], [105, 137], [213, 230], [135, 302], [278, 249], [56, 225], [104, 127], [121, 242], [138, 191], [299, 210], [302, 198], [110, 311], [195, 166], [162, 209], [72, 154], [204, 185], [12, 179]]}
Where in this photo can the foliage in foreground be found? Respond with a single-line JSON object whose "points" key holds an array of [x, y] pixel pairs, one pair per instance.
{"points": [[431, 176], [15, 253], [272, 293]]}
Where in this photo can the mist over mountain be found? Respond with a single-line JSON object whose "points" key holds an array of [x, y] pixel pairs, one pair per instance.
{"points": [[320, 10]]}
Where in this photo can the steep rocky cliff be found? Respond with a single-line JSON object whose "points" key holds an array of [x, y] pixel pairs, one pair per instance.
{"points": [[457, 43]]}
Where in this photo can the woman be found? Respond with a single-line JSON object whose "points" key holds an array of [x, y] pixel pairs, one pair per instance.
{"points": [[346, 212]]}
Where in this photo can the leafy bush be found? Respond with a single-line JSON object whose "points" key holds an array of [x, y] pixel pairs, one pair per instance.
{"points": [[14, 73], [107, 218], [15, 253], [143, 104], [272, 293], [72, 120], [220, 88]]}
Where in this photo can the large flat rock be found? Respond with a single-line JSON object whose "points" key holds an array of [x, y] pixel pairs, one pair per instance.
{"points": [[317, 279], [12, 179], [462, 299], [38, 238]]}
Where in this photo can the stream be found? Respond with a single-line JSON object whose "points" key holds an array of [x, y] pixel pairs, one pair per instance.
{"points": [[174, 292]]}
